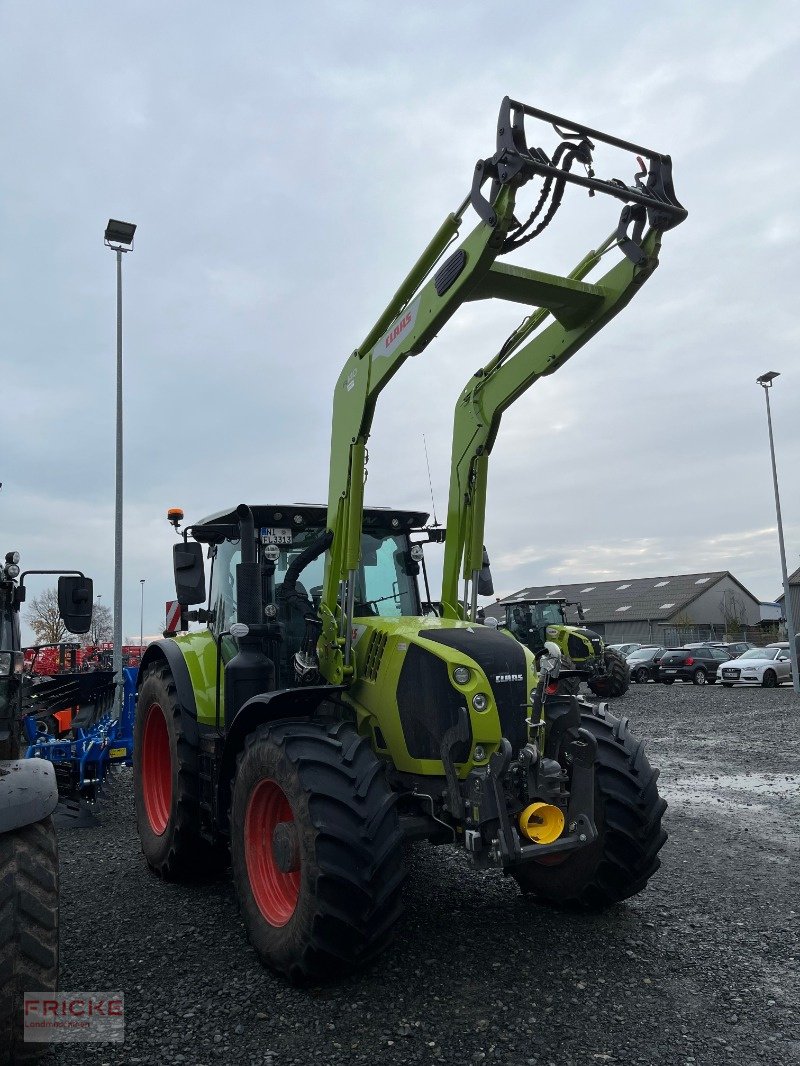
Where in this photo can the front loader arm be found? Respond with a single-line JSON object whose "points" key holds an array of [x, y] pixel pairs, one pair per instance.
{"points": [[579, 312], [411, 320], [422, 306]]}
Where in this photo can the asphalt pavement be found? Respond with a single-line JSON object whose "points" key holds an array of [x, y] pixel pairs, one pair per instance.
{"points": [[702, 968]]}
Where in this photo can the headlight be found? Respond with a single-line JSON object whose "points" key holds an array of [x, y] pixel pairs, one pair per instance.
{"points": [[480, 702], [461, 675], [12, 570]]}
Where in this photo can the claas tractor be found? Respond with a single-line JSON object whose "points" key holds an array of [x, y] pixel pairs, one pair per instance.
{"points": [[534, 622], [28, 797], [318, 718]]}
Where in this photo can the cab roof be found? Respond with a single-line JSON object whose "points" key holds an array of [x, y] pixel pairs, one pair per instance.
{"points": [[312, 516]]}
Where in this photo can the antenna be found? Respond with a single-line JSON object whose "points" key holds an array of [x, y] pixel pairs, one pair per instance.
{"points": [[430, 482]]}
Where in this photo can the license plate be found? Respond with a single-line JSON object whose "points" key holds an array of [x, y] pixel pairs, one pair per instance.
{"points": [[730, 673], [275, 535], [117, 753]]}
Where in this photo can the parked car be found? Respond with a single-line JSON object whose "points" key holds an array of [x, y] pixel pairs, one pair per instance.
{"points": [[644, 663], [698, 665], [737, 647], [624, 649], [769, 667]]}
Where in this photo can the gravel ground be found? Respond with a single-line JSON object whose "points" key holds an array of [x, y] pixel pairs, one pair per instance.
{"points": [[701, 968]]}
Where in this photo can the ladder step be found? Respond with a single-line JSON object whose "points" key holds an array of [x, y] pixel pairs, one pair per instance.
{"points": [[571, 302]]}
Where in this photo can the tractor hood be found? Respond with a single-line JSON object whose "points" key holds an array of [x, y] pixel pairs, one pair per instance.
{"points": [[415, 674]]}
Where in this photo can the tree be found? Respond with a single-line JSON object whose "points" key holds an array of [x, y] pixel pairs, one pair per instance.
{"points": [[101, 630], [734, 612], [44, 619]]}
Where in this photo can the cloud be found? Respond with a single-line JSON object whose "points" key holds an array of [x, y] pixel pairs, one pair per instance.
{"points": [[285, 172]]}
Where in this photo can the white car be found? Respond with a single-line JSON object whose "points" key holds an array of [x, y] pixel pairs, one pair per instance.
{"points": [[764, 666], [624, 649]]}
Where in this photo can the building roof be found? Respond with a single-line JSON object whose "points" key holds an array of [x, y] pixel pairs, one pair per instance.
{"points": [[626, 599], [794, 579]]}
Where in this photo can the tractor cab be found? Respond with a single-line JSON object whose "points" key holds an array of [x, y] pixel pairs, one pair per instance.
{"points": [[290, 545], [528, 621]]}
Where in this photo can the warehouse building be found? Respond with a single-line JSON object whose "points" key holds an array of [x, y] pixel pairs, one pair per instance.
{"points": [[794, 592], [670, 610]]}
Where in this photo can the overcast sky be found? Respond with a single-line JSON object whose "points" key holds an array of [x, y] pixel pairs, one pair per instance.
{"points": [[285, 164]]}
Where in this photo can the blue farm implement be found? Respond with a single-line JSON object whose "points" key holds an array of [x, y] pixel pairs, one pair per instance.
{"points": [[82, 761]]}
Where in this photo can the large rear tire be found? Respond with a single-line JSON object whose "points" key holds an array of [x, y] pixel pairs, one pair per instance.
{"points": [[617, 677], [167, 786], [28, 930], [317, 849], [628, 812]]}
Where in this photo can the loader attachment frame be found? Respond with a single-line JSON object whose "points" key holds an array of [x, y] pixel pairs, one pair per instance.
{"points": [[424, 303]]}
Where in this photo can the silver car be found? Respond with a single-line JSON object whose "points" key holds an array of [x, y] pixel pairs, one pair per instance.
{"points": [[769, 667]]}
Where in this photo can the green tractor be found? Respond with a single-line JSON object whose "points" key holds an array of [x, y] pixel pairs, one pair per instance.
{"points": [[319, 718], [536, 621]]}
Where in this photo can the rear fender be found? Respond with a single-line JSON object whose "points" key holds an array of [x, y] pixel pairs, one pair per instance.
{"points": [[268, 707], [28, 792]]}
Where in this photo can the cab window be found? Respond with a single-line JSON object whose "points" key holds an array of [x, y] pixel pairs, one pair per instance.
{"points": [[222, 594]]}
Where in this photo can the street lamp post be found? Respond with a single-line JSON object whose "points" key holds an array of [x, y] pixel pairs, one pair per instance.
{"points": [[141, 619], [765, 381], [119, 238]]}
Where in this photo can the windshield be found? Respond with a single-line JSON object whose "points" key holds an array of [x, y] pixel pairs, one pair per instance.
{"points": [[528, 615], [761, 653], [384, 584]]}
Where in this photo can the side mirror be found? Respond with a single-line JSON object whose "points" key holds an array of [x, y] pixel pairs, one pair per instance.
{"points": [[190, 574], [75, 597], [491, 622], [485, 583]]}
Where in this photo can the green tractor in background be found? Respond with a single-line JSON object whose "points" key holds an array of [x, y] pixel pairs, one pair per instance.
{"points": [[320, 718], [533, 622]]}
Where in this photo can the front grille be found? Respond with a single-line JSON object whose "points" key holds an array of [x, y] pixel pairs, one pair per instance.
{"points": [[503, 661], [428, 705]]}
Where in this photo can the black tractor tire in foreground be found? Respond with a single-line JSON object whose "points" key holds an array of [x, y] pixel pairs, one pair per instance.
{"points": [[317, 849], [28, 930], [628, 811], [617, 677], [167, 786]]}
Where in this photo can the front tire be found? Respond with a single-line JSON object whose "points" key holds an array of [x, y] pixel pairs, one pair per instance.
{"points": [[317, 849], [628, 811], [28, 930], [770, 679], [167, 786], [641, 676], [617, 677]]}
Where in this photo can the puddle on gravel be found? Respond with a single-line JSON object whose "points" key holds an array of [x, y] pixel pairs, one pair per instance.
{"points": [[746, 797]]}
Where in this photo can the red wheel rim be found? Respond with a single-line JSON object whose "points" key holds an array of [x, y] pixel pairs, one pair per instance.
{"points": [[156, 769], [274, 891]]}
